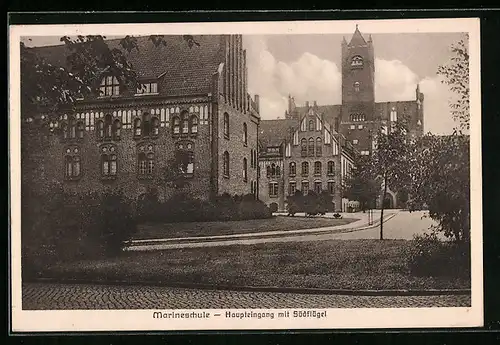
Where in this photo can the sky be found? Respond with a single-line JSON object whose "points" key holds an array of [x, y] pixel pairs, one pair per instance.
{"points": [[307, 66]]}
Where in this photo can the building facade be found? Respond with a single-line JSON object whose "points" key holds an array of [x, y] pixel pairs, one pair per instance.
{"points": [[192, 100], [317, 141]]}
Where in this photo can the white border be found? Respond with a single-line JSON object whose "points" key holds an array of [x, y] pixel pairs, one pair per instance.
{"points": [[141, 320]]}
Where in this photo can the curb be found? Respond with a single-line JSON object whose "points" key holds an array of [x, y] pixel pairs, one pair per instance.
{"points": [[249, 236], [273, 289]]}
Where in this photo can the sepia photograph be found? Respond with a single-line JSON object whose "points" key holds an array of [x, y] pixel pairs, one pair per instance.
{"points": [[245, 175]]}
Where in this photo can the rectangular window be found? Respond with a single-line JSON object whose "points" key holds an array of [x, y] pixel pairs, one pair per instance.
{"points": [[318, 187], [273, 189], [331, 187], [360, 126], [305, 188], [355, 141], [292, 187], [353, 127], [147, 88]]}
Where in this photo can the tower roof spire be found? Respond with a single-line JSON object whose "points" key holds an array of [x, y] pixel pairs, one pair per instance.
{"points": [[357, 38]]}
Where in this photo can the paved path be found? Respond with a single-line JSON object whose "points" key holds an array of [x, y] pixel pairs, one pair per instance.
{"points": [[44, 296], [401, 225]]}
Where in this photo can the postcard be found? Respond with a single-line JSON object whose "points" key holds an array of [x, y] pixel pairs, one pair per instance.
{"points": [[245, 175]]}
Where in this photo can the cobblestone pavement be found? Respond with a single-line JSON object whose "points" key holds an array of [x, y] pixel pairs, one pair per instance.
{"points": [[46, 296]]}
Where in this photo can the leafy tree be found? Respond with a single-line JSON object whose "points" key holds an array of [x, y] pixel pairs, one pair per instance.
{"points": [[55, 88], [389, 162], [455, 74], [442, 180], [361, 185]]}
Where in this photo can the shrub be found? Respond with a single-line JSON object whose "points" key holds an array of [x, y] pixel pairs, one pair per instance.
{"points": [[273, 207], [430, 256], [59, 226], [183, 208]]}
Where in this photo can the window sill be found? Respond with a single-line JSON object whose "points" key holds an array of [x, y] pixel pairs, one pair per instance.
{"points": [[273, 196], [305, 175], [77, 178], [108, 178], [317, 175], [145, 177], [146, 94], [292, 175], [226, 176]]}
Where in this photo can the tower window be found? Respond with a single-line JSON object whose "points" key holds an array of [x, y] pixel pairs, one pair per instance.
{"points": [[357, 61]]}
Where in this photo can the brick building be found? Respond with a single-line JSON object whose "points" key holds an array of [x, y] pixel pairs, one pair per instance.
{"points": [[320, 139], [192, 99]]}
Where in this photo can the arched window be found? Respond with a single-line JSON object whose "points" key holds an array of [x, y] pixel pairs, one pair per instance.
{"points": [[226, 164], [303, 147], [292, 169], [72, 128], [116, 129], [100, 129], [146, 124], [312, 126], [331, 168], [72, 168], [80, 129], [107, 126], [194, 124], [155, 126], [305, 168], [245, 134], [64, 129], [357, 61], [137, 127], [245, 170], [185, 158], [226, 125], [317, 168], [176, 125], [310, 150], [319, 146], [356, 86]]}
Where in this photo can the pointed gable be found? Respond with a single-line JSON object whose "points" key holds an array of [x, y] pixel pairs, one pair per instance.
{"points": [[357, 39]]}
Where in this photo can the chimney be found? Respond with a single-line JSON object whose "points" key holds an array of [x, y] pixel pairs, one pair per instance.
{"points": [[257, 103], [307, 104], [315, 104]]}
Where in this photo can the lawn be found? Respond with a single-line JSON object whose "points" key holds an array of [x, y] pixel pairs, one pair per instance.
{"points": [[196, 229], [332, 264]]}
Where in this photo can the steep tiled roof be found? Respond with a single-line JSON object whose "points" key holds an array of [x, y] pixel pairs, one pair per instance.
{"points": [[329, 112], [187, 70], [274, 132]]}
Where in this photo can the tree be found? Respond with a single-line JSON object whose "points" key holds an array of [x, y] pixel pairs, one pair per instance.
{"points": [[54, 88], [455, 74], [442, 181], [389, 162], [361, 186]]}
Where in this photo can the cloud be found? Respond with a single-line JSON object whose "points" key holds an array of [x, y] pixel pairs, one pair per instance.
{"points": [[310, 78]]}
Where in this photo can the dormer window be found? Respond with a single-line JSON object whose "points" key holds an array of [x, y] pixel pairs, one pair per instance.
{"points": [[357, 61], [147, 88], [109, 86]]}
